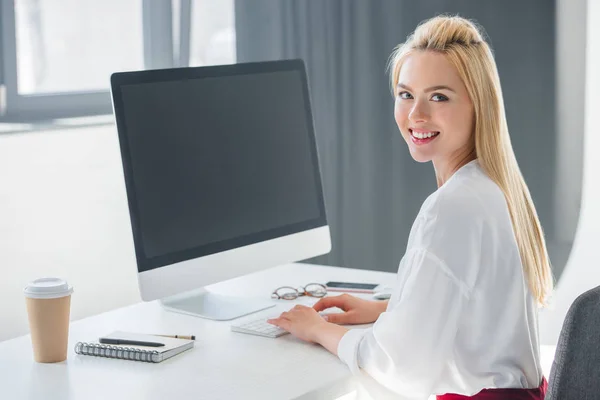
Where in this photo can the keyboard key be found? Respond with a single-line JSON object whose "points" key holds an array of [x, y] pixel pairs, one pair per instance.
{"points": [[259, 327]]}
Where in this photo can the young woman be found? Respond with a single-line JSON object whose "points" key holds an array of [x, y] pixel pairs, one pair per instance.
{"points": [[463, 320]]}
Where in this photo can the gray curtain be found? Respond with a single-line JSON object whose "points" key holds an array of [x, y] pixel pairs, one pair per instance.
{"points": [[373, 188]]}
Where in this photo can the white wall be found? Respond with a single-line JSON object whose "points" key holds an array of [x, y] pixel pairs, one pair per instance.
{"points": [[583, 267], [63, 211]]}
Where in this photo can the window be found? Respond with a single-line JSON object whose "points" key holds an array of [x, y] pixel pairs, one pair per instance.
{"points": [[77, 45], [212, 33], [57, 57], [207, 32]]}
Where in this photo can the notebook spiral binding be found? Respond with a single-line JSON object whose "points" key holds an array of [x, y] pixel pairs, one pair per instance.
{"points": [[122, 353]]}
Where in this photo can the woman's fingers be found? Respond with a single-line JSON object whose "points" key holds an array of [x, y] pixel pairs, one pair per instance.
{"points": [[323, 304], [328, 302], [284, 315], [340, 319], [288, 315], [281, 322]]}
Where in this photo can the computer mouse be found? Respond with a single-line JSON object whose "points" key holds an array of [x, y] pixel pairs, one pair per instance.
{"points": [[382, 295]]}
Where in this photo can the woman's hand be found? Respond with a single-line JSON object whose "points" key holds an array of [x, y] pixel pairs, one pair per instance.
{"points": [[301, 321], [357, 311], [306, 324]]}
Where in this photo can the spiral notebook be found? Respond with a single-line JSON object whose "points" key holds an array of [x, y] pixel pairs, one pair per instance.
{"points": [[171, 348]]}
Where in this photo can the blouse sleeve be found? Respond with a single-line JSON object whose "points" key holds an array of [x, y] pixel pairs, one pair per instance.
{"points": [[409, 344]]}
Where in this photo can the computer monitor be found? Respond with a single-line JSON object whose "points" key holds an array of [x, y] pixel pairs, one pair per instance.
{"points": [[222, 178]]}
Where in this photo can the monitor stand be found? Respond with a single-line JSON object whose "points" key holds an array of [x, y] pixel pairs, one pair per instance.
{"points": [[204, 304]]}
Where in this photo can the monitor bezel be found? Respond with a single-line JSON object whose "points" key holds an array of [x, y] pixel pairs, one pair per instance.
{"points": [[120, 79]]}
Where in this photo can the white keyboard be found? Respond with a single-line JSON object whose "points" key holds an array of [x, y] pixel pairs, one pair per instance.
{"points": [[260, 327]]}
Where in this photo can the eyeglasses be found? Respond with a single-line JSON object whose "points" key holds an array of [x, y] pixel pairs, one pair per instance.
{"points": [[290, 293]]}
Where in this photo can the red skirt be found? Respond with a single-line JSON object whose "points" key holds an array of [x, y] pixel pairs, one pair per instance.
{"points": [[503, 394]]}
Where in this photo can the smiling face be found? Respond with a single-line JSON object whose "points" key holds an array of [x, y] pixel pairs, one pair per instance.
{"points": [[433, 110]]}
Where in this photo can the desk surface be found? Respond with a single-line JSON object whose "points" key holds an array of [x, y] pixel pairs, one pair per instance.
{"points": [[222, 365]]}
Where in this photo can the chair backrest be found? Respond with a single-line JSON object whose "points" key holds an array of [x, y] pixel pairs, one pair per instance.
{"points": [[575, 373]]}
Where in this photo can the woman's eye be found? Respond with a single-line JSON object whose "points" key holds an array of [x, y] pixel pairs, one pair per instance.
{"points": [[404, 95], [440, 97]]}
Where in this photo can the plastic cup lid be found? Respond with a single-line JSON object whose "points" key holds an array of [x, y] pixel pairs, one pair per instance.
{"points": [[47, 288]]}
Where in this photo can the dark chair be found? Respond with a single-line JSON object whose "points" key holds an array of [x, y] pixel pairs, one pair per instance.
{"points": [[575, 373]]}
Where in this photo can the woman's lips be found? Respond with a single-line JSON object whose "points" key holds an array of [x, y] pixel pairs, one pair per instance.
{"points": [[424, 140]]}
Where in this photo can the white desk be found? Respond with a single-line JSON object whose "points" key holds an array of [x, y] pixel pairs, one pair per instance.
{"points": [[222, 365]]}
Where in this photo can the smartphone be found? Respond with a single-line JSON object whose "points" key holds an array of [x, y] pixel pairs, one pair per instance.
{"points": [[352, 287]]}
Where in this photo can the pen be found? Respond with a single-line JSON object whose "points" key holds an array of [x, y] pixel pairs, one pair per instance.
{"points": [[192, 337], [130, 342]]}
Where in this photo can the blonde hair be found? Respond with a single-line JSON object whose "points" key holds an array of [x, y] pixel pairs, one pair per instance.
{"points": [[460, 40]]}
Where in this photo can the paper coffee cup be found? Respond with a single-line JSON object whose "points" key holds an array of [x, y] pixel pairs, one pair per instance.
{"points": [[48, 308]]}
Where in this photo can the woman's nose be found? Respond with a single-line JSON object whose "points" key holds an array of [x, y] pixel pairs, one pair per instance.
{"points": [[418, 112]]}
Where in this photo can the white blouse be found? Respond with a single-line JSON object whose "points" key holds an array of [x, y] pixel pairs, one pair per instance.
{"points": [[462, 317]]}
